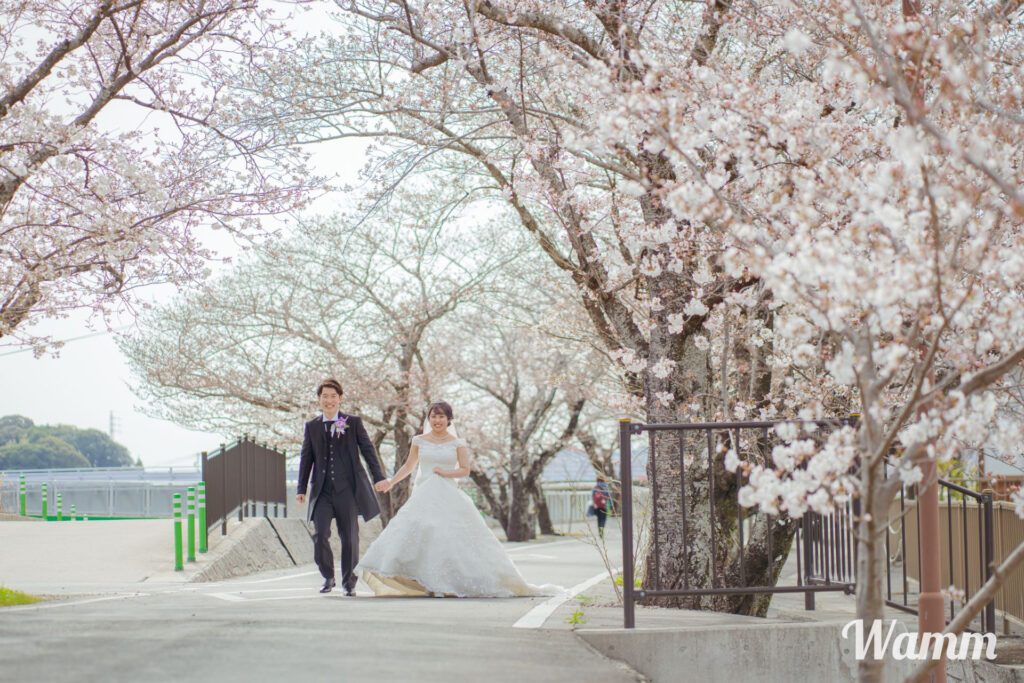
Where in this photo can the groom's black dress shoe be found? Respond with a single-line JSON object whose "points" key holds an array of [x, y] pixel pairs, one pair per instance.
{"points": [[350, 592], [328, 585]]}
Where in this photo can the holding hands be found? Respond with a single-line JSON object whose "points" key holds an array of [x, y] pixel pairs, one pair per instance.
{"points": [[383, 486]]}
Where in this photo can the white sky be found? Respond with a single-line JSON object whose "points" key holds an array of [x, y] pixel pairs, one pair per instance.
{"points": [[82, 386]]}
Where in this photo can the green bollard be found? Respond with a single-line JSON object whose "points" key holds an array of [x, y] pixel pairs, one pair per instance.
{"points": [[21, 496], [60, 507], [178, 564], [202, 516], [74, 515], [44, 503], [191, 523]]}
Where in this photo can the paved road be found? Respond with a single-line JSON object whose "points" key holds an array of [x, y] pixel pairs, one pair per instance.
{"points": [[276, 625]]}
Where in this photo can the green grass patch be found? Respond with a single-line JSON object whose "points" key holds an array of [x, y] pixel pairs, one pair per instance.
{"points": [[619, 581], [9, 596], [576, 618]]}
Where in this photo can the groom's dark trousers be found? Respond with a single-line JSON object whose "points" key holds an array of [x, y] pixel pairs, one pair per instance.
{"points": [[339, 489], [336, 502]]}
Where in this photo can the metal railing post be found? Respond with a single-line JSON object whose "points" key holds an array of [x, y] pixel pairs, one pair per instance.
{"points": [[191, 523], [626, 477], [202, 516], [808, 550], [990, 557], [179, 565]]}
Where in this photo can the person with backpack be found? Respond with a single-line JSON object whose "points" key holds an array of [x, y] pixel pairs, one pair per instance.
{"points": [[600, 501]]}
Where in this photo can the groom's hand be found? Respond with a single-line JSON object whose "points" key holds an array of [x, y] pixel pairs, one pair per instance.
{"points": [[301, 498], [383, 486]]}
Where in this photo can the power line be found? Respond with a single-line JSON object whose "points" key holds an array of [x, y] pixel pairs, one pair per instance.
{"points": [[67, 341]]}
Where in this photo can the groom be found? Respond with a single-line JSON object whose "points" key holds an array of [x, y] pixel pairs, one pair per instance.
{"points": [[330, 448]]}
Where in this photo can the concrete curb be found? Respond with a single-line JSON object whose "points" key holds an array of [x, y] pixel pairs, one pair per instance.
{"points": [[752, 652]]}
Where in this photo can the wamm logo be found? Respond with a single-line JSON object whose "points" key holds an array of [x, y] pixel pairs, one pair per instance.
{"points": [[906, 646]]}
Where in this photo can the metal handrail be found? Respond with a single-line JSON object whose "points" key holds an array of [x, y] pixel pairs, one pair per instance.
{"points": [[826, 550]]}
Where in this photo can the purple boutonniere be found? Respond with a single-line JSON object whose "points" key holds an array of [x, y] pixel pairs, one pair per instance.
{"points": [[339, 426]]}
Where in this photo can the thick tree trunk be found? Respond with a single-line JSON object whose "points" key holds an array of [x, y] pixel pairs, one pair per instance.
{"points": [[522, 516], [543, 514], [400, 493], [703, 552]]}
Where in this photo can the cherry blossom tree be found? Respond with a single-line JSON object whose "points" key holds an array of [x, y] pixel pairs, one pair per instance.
{"points": [[748, 197], [501, 94], [862, 161], [120, 145], [528, 397], [355, 299]]}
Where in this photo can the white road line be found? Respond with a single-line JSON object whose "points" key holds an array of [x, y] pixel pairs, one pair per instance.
{"points": [[536, 617], [70, 603], [539, 546], [276, 578], [263, 590], [233, 597]]}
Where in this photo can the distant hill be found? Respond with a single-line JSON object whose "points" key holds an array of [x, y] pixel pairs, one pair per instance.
{"points": [[25, 445]]}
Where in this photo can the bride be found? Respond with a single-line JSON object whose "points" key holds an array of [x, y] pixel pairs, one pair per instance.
{"points": [[438, 544]]}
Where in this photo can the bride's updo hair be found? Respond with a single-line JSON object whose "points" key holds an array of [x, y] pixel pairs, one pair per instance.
{"points": [[443, 408]]}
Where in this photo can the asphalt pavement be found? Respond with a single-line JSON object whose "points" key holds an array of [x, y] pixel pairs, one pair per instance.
{"points": [[276, 626]]}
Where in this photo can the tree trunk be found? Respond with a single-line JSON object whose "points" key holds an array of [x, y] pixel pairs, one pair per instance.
{"points": [[522, 516], [871, 565], [400, 493], [708, 556], [543, 514]]}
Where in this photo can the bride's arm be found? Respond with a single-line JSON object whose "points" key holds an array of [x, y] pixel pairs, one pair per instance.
{"points": [[406, 469], [462, 470], [409, 467]]}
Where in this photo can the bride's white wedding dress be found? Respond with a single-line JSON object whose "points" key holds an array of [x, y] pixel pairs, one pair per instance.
{"points": [[439, 544]]}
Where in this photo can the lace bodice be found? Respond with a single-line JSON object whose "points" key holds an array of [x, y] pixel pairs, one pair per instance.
{"points": [[444, 455]]}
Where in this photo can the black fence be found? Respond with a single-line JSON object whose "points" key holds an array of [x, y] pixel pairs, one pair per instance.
{"points": [[825, 545], [241, 478], [711, 434]]}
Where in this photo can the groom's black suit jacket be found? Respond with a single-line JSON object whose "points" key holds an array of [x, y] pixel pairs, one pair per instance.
{"points": [[348, 445]]}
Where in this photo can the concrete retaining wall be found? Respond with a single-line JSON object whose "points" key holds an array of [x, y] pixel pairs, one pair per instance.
{"points": [[260, 544], [251, 547], [764, 653]]}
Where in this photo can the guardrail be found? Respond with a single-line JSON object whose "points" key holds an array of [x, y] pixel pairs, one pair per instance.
{"points": [[826, 547]]}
